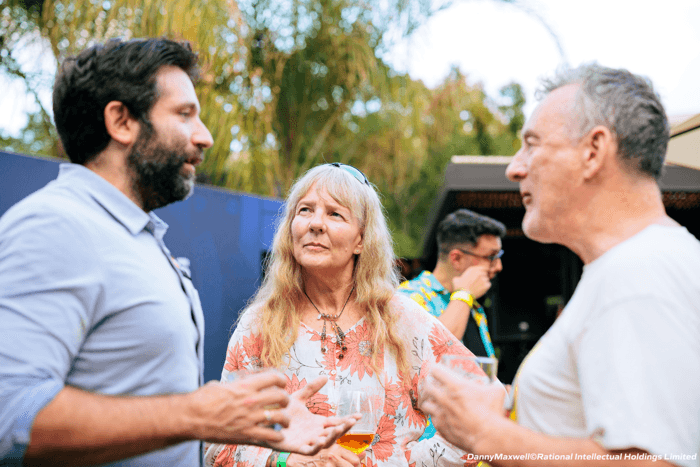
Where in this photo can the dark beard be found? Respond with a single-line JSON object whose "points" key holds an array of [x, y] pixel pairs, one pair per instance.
{"points": [[157, 176]]}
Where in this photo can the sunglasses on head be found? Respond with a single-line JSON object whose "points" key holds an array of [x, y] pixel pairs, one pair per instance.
{"points": [[359, 176]]}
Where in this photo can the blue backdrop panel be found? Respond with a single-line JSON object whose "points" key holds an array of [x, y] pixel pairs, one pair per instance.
{"points": [[224, 234]]}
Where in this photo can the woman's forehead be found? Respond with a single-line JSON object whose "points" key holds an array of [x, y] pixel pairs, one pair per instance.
{"points": [[328, 193]]}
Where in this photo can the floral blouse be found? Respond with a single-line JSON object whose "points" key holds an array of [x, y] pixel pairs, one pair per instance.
{"points": [[401, 423]]}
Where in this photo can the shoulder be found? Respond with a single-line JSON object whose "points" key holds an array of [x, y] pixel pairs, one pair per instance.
{"points": [[422, 291], [249, 320], [47, 227], [657, 244], [660, 259], [52, 208], [410, 313]]}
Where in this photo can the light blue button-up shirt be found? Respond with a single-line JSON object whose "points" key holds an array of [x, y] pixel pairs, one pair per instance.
{"points": [[91, 297]]}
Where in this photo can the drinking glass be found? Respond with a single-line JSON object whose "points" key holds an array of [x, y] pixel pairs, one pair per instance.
{"points": [[483, 369], [362, 433], [469, 366]]}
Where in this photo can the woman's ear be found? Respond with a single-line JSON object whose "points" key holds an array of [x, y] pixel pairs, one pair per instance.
{"points": [[359, 246]]}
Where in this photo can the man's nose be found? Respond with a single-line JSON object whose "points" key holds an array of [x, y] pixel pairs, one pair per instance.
{"points": [[202, 136], [516, 169]]}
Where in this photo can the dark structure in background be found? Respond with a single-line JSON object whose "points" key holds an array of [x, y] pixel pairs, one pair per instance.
{"points": [[537, 280], [223, 233]]}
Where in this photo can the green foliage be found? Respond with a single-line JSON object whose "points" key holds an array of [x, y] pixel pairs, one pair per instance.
{"points": [[36, 138], [19, 34], [288, 85]]}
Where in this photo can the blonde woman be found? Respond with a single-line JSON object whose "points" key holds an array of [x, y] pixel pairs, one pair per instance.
{"points": [[329, 307]]}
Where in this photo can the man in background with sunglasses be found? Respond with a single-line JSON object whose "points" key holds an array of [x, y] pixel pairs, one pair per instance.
{"points": [[469, 257]]}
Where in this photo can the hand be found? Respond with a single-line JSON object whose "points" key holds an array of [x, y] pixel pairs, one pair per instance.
{"points": [[335, 456], [459, 407], [235, 413], [474, 279], [308, 433]]}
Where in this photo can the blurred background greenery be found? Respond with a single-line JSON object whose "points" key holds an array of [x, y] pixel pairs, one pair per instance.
{"points": [[287, 84]]}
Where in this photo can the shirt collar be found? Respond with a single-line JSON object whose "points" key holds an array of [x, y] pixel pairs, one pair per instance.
{"points": [[429, 279], [116, 203]]}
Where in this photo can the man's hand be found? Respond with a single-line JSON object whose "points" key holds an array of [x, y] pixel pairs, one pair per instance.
{"points": [[335, 456], [308, 433], [474, 279], [459, 407], [239, 412]]}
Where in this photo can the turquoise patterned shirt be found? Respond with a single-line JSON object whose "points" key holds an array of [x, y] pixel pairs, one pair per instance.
{"points": [[428, 292]]}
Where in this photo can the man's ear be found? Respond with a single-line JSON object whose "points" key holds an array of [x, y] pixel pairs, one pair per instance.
{"points": [[599, 146], [120, 124], [455, 257]]}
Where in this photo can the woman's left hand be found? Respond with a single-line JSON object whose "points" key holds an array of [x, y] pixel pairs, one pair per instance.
{"points": [[335, 456], [308, 433]]}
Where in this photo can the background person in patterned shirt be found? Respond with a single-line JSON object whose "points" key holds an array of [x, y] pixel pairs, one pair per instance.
{"points": [[469, 257]]}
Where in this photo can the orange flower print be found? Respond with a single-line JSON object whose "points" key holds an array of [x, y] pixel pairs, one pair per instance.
{"points": [[293, 384], [358, 355], [443, 342], [392, 398], [329, 358], [385, 439], [234, 358], [398, 395], [330, 355], [469, 462], [413, 415], [317, 404], [253, 348], [315, 336], [227, 458]]}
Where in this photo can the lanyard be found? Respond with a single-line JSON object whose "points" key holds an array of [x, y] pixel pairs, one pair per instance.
{"points": [[480, 319]]}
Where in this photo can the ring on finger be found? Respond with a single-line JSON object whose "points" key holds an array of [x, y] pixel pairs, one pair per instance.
{"points": [[268, 415]]}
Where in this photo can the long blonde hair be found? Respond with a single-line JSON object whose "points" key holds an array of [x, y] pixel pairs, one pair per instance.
{"points": [[375, 274]]}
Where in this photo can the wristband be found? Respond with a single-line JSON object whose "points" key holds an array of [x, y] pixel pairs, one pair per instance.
{"points": [[463, 296], [282, 459]]}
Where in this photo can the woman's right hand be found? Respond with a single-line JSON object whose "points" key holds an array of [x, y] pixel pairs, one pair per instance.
{"points": [[335, 456]]}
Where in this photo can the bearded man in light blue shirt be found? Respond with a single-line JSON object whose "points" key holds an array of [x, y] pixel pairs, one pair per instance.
{"points": [[101, 342]]}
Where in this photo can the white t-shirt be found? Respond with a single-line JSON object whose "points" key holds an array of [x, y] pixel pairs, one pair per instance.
{"points": [[622, 362]]}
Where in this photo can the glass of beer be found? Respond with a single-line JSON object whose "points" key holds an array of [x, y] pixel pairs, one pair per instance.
{"points": [[362, 433]]}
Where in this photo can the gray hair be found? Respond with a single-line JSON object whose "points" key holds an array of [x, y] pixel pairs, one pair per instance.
{"points": [[624, 103]]}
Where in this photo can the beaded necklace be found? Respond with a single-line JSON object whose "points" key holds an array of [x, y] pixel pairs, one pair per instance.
{"points": [[339, 334]]}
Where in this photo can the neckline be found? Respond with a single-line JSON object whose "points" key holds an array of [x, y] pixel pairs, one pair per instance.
{"points": [[347, 331]]}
